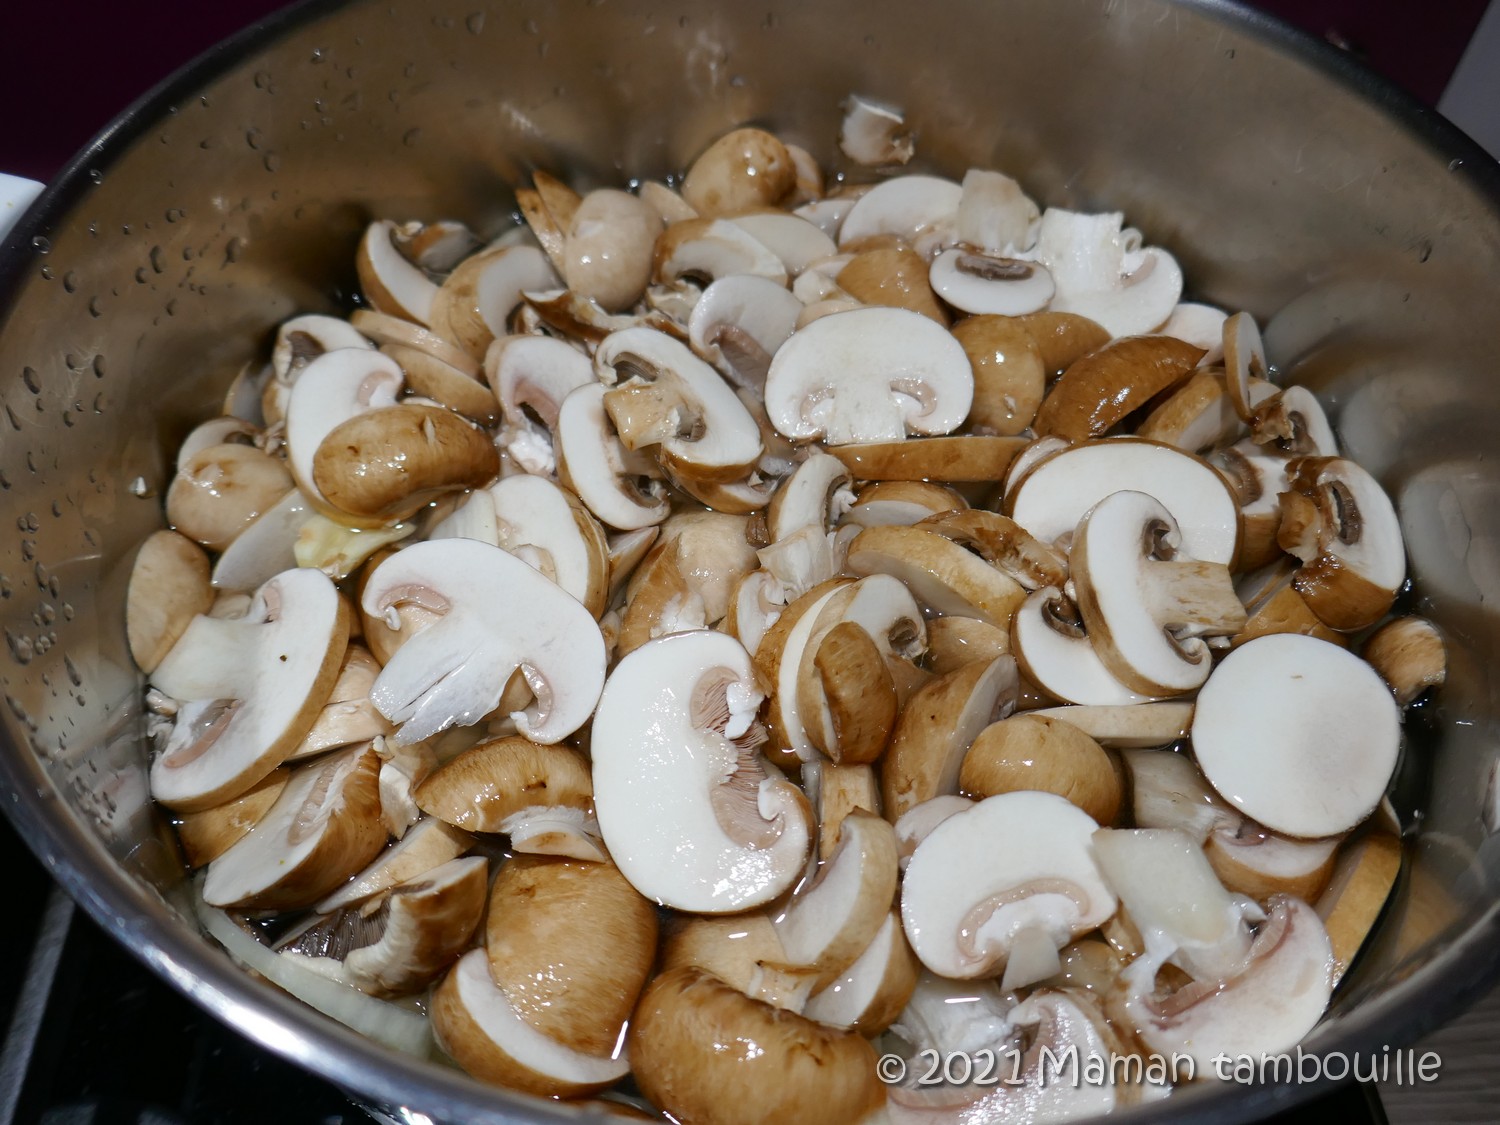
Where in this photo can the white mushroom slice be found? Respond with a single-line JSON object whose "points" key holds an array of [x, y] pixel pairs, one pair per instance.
{"points": [[531, 375], [169, 586], [705, 250], [800, 561], [901, 503], [1145, 605], [477, 1025], [1128, 290], [873, 134], [332, 389], [429, 844], [695, 818], [869, 375], [555, 830], [475, 304], [1055, 653], [607, 254], [669, 206], [1029, 457], [916, 823], [1253, 861], [622, 488], [1295, 425], [324, 827], [669, 397], [402, 768], [1244, 359], [497, 615], [809, 183], [1176, 901], [1342, 525], [1168, 791], [388, 331], [793, 239], [243, 398], [1132, 726], [1051, 499], [830, 920], [946, 577], [303, 339], [250, 688], [391, 283], [1200, 416], [738, 325], [713, 555], [1264, 1010], [871, 993], [541, 524], [995, 217], [1317, 762], [438, 246], [955, 1017], [266, 547], [626, 551], [1201, 325], [817, 495], [977, 283], [348, 716], [827, 214], [907, 206], [964, 919]]}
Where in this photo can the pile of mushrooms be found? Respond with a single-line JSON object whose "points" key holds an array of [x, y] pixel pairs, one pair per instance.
{"points": [[703, 639]]}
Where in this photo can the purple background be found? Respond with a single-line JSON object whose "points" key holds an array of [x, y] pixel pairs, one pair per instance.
{"points": [[69, 67]]}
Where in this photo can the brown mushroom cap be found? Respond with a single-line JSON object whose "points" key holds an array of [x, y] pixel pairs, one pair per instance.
{"points": [[966, 457], [743, 169], [1009, 375], [570, 944], [707, 1054], [208, 834], [487, 783], [220, 490], [1032, 752], [169, 586], [1101, 388], [895, 276]]}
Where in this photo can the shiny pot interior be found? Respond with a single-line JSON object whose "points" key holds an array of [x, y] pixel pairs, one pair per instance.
{"points": [[1362, 230]]}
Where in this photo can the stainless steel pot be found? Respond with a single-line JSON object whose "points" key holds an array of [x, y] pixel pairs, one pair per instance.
{"points": [[1362, 229]]}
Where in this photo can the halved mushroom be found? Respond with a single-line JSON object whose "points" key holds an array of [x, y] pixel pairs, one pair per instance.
{"points": [[622, 488], [909, 207], [668, 397], [485, 786], [323, 828], [531, 375], [248, 689], [901, 502], [1051, 498], [1408, 653], [1146, 607], [1027, 752], [570, 945], [475, 303], [390, 281], [1128, 726], [739, 323], [873, 134], [936, 728], [607, 253], [222, 489], [497, 615], [943, 575], [208, 834], [892, 277], [1039, 881], [868, 375], [744, 168], [1340, 523], [961, 458], [775, 1066], [1009, 376], [1103, 273], [692, 813], [169, 586], [1054, 652], [707, 250], [1362, 880], [1103, 387], [476, 1024], [1315, 763], [430, 844]]}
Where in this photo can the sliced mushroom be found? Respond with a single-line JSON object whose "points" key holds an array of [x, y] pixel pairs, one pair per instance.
{"points": [[836, 791], [429, 845], [1200, 415], [1063, 338], [1258, 480], [893, 277], [1028, 457], [1051, 499], [1009, 376], [607, 253], [1027, 752], [338, 551], [943, 575], [1004, 544], [739, 323], [348, 716], [1294, 425], [692, 813], [323, 828], [907, 206], [1273, 605], [208, 834], [248, 689], [742, 950], [1131, 726], [995, 216], [853, 682], [916, 823], [744, 168], [707, 250], [965, 457], [1340, 523], [1128, 289], [548, 207], [1409, 655], [964, 919], [1054, 652], [486, 785], [390, 281], [476, 1024], [1253, 861], [1363, 877], [266, 547], [873, 134], [900, 502], [936, 728], [793, 239], [531, 375], [475, 303], [1317, 761], [1146, 607], [222, 489], [980, 283], [169, 586], [953, 642], [570, 945], [497, 615], [871, 993], [1105, 386], [301, 340], [1201, 325]]}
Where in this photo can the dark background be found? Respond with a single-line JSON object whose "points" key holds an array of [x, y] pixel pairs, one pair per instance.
{"points": [[68, 66]]}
